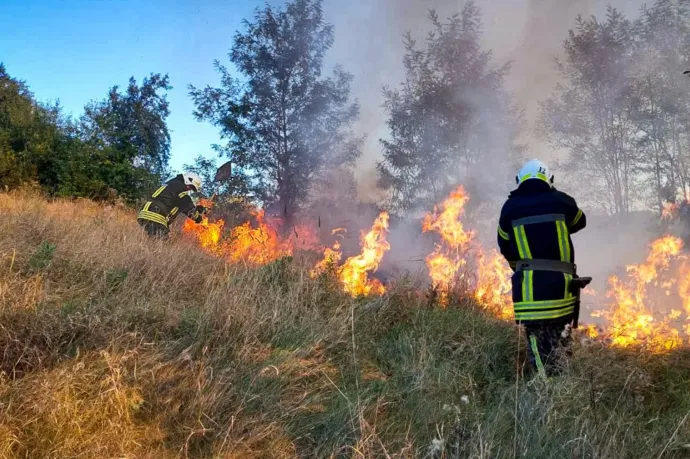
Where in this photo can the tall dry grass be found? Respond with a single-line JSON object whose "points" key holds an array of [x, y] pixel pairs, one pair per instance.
{"points": [[117, 346]]}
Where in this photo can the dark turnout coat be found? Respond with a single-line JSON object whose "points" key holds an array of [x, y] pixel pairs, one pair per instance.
{"points": [[535, 224], [169, 200]]}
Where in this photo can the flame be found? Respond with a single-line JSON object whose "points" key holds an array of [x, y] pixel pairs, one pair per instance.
{"points": [[257, 244], [208, 203], [208, 234], [631, 315], [648, 305], [446, 260], [458, 249], [447, 221], [493, 284], [591, 331], [331, 259], [354, 272]]}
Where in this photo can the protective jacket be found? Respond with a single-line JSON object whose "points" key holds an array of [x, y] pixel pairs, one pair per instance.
{"points": [[167, 202], [534, 236]]}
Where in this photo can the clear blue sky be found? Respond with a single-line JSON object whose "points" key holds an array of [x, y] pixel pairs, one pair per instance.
{"points": [[75, 50]]}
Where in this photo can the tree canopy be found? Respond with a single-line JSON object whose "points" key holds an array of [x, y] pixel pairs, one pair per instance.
{"points": [[450, 121], [120, 145], [283, 121]]}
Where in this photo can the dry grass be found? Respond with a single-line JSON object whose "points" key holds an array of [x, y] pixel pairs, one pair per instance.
{"points": [[116, 346]]}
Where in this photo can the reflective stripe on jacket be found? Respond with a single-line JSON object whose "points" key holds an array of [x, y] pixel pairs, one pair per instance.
{"points": [[167, 202]]}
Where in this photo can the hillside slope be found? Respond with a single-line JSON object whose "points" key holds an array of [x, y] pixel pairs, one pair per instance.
{"points": [[114, 346]]}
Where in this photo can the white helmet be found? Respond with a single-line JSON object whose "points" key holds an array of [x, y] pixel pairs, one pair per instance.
{"points": [[193, 180], [534, 169]]}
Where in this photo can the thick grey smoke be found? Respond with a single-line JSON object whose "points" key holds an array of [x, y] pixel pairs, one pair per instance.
{"points": [[530, 33]]}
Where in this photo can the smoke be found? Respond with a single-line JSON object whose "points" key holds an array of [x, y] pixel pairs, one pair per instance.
{"points": [[529, 33]]}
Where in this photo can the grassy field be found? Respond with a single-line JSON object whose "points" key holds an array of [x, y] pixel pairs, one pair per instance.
{"points": [[116, 347]]}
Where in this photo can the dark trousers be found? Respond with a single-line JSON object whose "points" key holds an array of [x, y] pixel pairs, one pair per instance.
{"points": [[548, 347], [155, 230]]}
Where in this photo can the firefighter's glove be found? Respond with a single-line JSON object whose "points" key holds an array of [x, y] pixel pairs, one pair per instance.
{"points": [[199, 213]]}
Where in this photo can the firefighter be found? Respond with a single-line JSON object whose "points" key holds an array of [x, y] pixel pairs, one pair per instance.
{"points": [[534, 237], [168, 201]]}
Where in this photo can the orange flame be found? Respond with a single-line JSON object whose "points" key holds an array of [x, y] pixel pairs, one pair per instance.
{"points": [[208, 203], [331, 258], [447, 221], [354, 272], [257, 245], [493, 284], [631, 316], [446, 260], [208, 234], [459, 249]]}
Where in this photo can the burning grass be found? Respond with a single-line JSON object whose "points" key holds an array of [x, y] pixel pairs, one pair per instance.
{"points": [[117, 346]]}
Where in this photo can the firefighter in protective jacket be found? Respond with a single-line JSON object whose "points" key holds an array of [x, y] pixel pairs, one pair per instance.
{"points": [[534, 236], [168, 201]]}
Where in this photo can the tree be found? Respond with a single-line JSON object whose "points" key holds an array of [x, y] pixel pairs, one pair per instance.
{"points": [[662, 99], [25, 132], [284, 123], [120, 144], [128, 136], [450, 121], [591, 115], [133, 124]]}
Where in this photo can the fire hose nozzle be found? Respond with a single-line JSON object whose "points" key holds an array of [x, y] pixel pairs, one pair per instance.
{"points": [[576, 285]]}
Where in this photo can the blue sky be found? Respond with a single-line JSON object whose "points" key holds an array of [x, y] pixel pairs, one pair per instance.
{"points": [[75, 50]]}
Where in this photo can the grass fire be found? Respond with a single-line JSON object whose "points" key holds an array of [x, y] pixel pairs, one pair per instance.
{"points": [[347, 230]]}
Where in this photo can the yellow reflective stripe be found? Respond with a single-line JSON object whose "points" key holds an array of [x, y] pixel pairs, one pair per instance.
{"points": [[566, 233], [524, 285], [563, 245], [159, 191], [147, 205], [537, 357], [152, 216], [527, 286], [544, 315], [183, 194], [523, 245], [545, 304], [530, 286], [523, 248], [536, 175], [568, 278], [503, 234], [174, 211], [577, 217]]}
